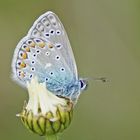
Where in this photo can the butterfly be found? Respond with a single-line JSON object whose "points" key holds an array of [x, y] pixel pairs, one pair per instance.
{"points": [[45, 52]]}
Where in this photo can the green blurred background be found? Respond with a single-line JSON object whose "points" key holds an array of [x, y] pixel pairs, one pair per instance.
{"points": [[105, 37]]}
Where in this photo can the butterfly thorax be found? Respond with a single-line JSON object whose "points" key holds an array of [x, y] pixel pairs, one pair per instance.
{"points": [[71, 90]]}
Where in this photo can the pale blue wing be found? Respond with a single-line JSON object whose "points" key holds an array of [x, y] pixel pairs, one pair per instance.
{"points": [[49, 27], [46, 53]]}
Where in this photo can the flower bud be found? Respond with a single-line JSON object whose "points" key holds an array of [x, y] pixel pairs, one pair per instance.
{"points": [[46, 113]]}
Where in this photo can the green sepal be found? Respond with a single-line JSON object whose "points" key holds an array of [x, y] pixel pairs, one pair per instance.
{"points": [[24, 118], [67, 119], [62, 114], [29, 119], [36, 127], [49, 115], [56, 125], [42, 123], [62, 128], [49, 129]]}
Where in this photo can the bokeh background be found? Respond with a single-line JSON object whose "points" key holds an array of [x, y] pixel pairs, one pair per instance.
{"points": [[105, 37]]}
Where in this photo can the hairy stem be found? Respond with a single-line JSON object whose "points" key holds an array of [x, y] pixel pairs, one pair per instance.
{"points": [[52, 137]]}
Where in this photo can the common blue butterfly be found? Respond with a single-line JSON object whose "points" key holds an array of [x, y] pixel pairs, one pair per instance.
{"points": [[45, 52]]}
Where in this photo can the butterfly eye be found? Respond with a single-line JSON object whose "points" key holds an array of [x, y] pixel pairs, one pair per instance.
{"points": [[81, 84]]}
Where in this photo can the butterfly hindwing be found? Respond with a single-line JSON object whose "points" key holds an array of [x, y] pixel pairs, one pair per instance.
{"points": [[46, 53]]}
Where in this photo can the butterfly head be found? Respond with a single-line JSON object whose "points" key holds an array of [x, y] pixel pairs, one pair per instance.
{"points": [[83, 84]]}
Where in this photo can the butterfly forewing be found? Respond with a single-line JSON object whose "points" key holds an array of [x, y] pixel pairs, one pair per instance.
{"points": [[49, 26]]}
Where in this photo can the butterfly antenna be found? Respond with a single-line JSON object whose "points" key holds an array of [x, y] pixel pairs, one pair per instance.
{"points": [[102, 79]]}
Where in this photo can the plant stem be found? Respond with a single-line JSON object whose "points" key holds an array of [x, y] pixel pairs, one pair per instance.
{"points": [[52, 137]]}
